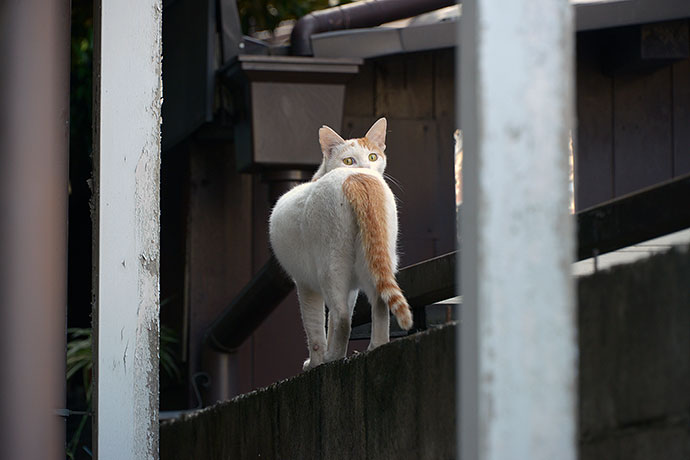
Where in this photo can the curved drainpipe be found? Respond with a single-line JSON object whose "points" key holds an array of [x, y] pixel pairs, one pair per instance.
{"points": [[365, 13]]}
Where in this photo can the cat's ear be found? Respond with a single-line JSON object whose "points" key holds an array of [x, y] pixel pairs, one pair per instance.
{"points": [[377, 133], [328, 139]]}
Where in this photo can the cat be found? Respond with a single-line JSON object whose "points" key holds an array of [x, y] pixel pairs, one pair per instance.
{"points": [[335, 236]]}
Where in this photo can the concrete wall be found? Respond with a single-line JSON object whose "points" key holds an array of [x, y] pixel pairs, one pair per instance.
{"points": [[634, 327], [398, 402]]}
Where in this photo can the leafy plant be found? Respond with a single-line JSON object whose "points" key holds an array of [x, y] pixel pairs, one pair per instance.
{"points": [[168, 359], [80, 362], [79, 355]]}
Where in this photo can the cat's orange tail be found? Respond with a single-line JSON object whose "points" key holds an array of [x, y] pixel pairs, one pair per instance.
{"points": [[368, 199]]}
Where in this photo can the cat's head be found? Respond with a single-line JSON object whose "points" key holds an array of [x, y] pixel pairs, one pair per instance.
{"points": [[365, 152]]}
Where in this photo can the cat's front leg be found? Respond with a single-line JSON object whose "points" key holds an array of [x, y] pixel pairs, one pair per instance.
{"points": [[314, 320]]}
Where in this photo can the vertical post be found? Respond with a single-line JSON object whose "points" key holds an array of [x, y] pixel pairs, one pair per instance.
{"points": [[128, 93], [34, 139], [517, 344]]}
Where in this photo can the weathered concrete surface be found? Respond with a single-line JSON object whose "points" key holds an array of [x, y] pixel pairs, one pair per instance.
{"points": [[398, 402], [634, 335]]}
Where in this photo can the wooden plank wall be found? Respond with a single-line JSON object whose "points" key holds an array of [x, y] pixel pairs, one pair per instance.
{"points": [[633, 126], [218, 249], [681, 117], [416, 93], [225, 242], [633, 131]]}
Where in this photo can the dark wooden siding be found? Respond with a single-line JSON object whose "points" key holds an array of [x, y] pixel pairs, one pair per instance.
{"points": [[633, 124], [594, 146], [681, 118]]}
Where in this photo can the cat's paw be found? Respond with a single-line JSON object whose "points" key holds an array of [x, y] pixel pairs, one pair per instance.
{"points": [[308, 365], [373, 345]]}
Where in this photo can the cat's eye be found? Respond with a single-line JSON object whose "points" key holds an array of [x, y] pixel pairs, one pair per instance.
{"points": [[348, 161], [373, 157]]}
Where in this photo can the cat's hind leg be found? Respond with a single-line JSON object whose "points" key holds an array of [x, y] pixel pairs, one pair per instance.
{"points": [[380, 315], [340, 308], [380, 322], [314, 320]]}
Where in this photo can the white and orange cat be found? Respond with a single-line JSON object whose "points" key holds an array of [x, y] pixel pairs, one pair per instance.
{"points": [[335, 236]]}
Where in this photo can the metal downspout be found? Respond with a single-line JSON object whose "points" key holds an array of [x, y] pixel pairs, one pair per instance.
{"points": [[366, 13], [34, 141]]}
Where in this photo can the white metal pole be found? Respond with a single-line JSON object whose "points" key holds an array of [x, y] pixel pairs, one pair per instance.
{"points": [[128, 95], [517, 347]]}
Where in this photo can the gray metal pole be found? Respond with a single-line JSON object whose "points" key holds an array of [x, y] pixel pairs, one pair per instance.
{"points": [[517, 346], [34, 137]]}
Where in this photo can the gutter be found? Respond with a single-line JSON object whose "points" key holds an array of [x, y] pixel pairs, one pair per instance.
{"points": [[365, 13]]}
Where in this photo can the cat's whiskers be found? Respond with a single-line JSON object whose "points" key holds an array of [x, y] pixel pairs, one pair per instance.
{"points": [[393, 181]]}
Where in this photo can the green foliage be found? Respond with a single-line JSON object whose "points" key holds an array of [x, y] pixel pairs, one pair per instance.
{"points": [[80, 362], [80, 83], [168, 359], [267, 14], [79, 356]]}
